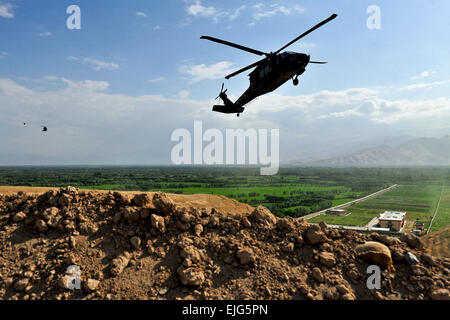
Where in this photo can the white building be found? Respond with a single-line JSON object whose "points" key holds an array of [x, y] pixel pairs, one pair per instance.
{"points": [[394, 220]]}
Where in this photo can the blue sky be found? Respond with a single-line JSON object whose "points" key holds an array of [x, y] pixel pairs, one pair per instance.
{"points": [[134, 54]]}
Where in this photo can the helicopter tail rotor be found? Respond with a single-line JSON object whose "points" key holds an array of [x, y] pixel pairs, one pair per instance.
{"points": [[220, 96]]}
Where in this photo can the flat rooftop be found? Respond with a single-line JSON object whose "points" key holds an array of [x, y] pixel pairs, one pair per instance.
{"points": [[392, 215]]}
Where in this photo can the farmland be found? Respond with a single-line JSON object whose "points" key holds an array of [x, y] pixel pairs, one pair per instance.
{"points": [[418, 200]]}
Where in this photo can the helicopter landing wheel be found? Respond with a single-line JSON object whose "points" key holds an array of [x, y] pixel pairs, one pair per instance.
{"points": [[238, 115], [295, 81]]}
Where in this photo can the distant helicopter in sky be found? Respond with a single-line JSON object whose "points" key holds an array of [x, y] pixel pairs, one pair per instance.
{"points": [[270, 73]]}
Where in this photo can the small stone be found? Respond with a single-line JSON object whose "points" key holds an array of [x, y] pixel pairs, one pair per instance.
{"points": [[317, 275], [19, 216], [440, 294], [136, 242], [289, 247], [262, 216], [327, 259], [411, 258], [198, 229], [120, 263], [91, 284], [315, 235], [21, 284], [158, 222], [245, 256]]}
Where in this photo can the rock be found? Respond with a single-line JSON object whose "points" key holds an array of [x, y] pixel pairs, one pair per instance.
{"points": [[186, 217], [246, 222], [21, 284], [376, 253], [71, 190], [131, 214], [412, 240], [8, 282], [327, 259], [91, 285], [64, 200], [314, 234], [117, 217], [198, 229], [120, 263], [323, 225], [288, 247], [192, 253], [141, 200], [411, 258], [384, 239], [191, 276], [418, 270], [245, 255], [136, 242], [163, 204], [440, 294], [262, 216], [19, 216], [317, 275], [428, 259], [158, 222], [65, 282]]}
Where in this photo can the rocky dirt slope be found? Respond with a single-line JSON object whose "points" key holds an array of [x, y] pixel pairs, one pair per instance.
{"points": [[160, 246], [437, 243]]}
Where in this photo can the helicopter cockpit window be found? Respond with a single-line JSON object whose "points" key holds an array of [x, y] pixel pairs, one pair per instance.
{"points": [[261, 74]]}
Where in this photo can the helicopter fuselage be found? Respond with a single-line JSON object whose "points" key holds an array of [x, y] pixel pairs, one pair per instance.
{"points": [[272, 74]]}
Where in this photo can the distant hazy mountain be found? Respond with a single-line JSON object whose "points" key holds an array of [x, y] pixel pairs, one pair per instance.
{"points": [[422, 151]]}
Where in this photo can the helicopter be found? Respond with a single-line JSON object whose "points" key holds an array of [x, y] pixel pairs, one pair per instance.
{"points": [[270, 73]]}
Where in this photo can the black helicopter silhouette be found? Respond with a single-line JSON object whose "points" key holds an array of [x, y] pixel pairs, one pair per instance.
{"points": [[270, 73]]}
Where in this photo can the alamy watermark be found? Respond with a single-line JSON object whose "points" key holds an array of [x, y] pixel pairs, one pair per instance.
{"points": [[73, 278], [74, 20], [374, 20], [230, 151], [374, 280]]}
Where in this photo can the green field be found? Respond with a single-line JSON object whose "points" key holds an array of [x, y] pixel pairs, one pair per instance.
{"points": [[442, 218], [350, 220], [418, 200]]}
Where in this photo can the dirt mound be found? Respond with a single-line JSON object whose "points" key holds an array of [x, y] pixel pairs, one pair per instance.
{"points": [[163, 246], [438, 243]]}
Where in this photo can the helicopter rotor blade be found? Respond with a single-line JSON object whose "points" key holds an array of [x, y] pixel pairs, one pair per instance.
{"points": [[244, 69], [234, 45], [318, 62], [308, 32]]}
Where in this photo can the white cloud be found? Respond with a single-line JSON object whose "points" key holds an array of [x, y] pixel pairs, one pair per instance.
{"points": [[10, 88], [423, 85], [198, 10], [275, 9], [87, 85], [6, 10], [423, 75], [157, 28], [183, 94], [3, 54], [158, 79], [141, 14], [95, 64], [212, 72], [45, 34], [90, 125]]}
